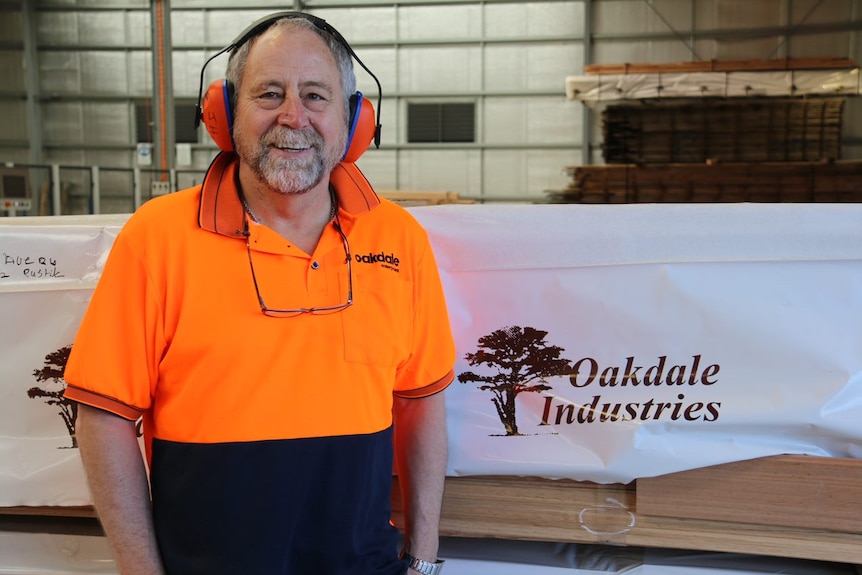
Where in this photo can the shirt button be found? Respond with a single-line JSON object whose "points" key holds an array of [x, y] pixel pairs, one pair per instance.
{"points": [[315, 264]]}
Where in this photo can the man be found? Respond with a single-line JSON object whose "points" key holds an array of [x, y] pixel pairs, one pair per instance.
{"points": [[280, 328]]}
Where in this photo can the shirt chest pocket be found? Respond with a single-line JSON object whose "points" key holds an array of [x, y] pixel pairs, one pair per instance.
{"points": [[378, 327]]}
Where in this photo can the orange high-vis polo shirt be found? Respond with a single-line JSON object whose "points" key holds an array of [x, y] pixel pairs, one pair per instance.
{"points": [[230, 396]]}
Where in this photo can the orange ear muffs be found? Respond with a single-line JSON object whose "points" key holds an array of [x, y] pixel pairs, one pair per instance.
{"points": [[362, 128], [217, 117], [215, 107], [217, 113]]}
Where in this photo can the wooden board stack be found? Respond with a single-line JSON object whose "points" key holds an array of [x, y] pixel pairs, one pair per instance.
{"points": [[415, 198], [784, 506], [745, 149], [756, 130]]}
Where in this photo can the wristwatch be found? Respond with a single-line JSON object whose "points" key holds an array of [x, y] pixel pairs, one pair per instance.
{"points": [[424, 567]]}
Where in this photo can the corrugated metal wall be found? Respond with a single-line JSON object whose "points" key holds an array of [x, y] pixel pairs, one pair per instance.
{"points": [[73, 72]]}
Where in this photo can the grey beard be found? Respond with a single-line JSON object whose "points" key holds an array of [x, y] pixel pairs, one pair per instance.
{"points": [[291, 176]]}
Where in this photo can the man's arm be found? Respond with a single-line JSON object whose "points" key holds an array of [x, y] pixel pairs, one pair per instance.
{"points": [[420, 452], [118, 483]]}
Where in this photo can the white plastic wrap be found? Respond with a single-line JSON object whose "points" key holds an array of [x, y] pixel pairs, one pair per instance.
{"points": [[609, 87], [751, 312]]}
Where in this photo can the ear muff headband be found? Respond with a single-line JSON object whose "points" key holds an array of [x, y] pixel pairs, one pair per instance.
{"points": [[217, 115]]}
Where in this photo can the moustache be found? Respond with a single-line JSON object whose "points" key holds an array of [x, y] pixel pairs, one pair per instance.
{"points": [[292, 139]]}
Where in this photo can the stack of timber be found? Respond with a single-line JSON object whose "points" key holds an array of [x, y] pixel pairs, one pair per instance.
{"points": [[752, 144], [756, 130], [784, 506], [414, 198], [714, 182]]}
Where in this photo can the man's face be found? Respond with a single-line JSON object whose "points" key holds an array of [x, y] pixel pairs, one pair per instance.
{"points": [[290, 127]]}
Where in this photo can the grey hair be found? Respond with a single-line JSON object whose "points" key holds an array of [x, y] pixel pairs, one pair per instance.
{"points": [[343, 59]]}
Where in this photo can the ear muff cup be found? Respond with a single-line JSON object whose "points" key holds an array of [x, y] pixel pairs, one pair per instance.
{"points": [[361, 129], [217, 117]]}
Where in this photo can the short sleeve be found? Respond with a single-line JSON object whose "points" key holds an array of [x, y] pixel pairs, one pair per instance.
{"points": [[113, 364], [430, 367]]}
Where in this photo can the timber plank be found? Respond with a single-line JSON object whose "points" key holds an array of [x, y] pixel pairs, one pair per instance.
{"points": [[730, 537], [531, 508], [51, 511], [757, 65], [791, 491]]}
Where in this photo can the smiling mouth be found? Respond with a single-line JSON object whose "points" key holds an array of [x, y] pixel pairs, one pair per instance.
{"points": [[292, 149], [290, 141]]}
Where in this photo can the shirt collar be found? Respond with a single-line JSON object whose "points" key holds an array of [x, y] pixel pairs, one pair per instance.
{"points": [[221, 211]]}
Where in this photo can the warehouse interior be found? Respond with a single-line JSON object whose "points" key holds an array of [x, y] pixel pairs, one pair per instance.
{"points": [[484, 103], [99, 96]]}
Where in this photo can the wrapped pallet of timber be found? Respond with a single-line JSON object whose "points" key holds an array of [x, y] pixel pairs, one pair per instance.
{"points": [[687, 307], [617, 346]]}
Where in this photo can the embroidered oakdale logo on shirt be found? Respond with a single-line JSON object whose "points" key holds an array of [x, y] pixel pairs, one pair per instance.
{"points": [[388, 261], [51, 392], [520, 360]]}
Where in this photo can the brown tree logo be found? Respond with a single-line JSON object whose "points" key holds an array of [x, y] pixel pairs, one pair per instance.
{"points": [[55, 364], [523, 361]]}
